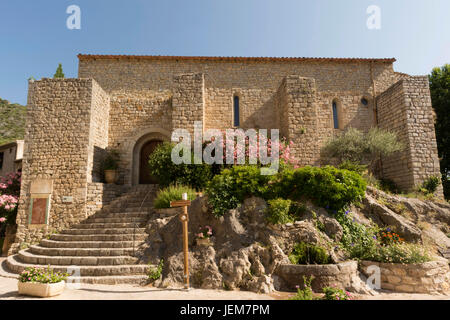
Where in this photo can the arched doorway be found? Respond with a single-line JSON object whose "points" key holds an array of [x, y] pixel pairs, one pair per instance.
{"points": [[144, 173], [135, 144]]}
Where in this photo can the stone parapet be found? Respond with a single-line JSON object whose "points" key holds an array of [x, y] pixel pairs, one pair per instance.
{"points": [[430, 277], [342, 275]]}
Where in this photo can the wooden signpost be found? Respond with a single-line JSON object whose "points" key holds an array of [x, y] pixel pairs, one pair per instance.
{"points": [[184, 220]]}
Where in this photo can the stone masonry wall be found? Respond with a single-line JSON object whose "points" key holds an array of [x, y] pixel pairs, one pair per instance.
{"points": [[98, 139], [392, 116], [57, 142], [421, 133], [298, 117], [256, 84], [133, 115], [188, 101], [405, 108], [100, 195], [429, 277]]}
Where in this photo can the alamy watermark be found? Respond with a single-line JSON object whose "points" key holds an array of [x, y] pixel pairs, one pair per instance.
{"points": [[374, 19], [233, 148], [74, 20]]}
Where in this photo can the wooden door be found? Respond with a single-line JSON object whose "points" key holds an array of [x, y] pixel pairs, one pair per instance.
{"points": [[144, 172]]}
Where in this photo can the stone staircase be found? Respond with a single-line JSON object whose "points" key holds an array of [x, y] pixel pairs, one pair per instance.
{"points": [[102, 246]]}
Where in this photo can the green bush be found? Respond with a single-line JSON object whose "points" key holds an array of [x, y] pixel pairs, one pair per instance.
{"points": [[430, 185], [167, 172], [359, 147], [278, 211], [326, 187], [228, 189], [281, 211], [357, 239], [405, 253], [353, 166], [305, 253], [155, 273], [172, 193]]}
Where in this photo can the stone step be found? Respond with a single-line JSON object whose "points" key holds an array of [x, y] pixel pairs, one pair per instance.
{"points": [[108, 225], [88, 244], [111, 280], [84, 252], [27, 257], [17, 266], [136, 214], [98, 237], [128, 209], [115, 220], [115, 231]]}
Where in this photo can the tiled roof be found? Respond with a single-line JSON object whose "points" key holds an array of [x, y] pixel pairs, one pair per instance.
{"points": [[230, 59]]}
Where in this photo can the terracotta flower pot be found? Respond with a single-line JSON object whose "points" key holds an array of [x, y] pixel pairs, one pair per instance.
{"points": [[43, 290], [110, 176]]}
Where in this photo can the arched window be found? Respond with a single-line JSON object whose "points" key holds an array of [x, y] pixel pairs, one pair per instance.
{"points": [[335, 115], [236, 111]]}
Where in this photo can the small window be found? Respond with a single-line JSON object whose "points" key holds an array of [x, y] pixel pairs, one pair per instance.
{"points": [[335, 115], [364, 101], [236, 111], [1, 160]]}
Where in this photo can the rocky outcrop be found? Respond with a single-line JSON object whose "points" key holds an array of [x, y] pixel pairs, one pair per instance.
{"points": [[248, 253], [379, 212], [416, 220], [245, 250]]}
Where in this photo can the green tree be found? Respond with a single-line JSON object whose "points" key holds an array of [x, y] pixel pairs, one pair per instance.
{"points": [[59, 72], [359, 147], [440, 97]]}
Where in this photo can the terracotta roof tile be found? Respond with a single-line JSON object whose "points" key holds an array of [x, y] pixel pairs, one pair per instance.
{"points": [[230, 59]]}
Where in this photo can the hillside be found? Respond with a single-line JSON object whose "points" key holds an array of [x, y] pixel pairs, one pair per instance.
{"points": [[12, 121]]}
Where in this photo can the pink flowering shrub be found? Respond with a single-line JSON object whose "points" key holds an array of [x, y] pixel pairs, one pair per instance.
{"points": [[9, 198], [249, 150], [334, 293]]}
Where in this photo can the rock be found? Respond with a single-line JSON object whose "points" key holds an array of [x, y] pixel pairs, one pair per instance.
{"points": [[387, 217], [333, 228]]}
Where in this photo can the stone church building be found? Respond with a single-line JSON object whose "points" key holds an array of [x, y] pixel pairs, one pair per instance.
{"points": [[131, 103]]}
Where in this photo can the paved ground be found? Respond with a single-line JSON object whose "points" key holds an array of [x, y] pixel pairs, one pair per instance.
{"points": [[8, 291]]}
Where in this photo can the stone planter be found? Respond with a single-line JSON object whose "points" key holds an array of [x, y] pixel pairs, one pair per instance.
{"points": [[430, 277], [342, 275], [110, 176], [42, 290], [206, 242]]}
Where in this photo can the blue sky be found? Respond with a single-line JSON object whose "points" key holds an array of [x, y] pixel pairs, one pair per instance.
{"points": [[34, 37]]}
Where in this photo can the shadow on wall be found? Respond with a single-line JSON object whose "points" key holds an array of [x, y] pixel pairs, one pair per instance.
{"points": [[263, 118], [98, 166]]}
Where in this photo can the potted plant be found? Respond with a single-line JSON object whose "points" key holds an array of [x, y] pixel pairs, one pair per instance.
{"points": [[203, 238], [41, 282], [110, 165]]}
